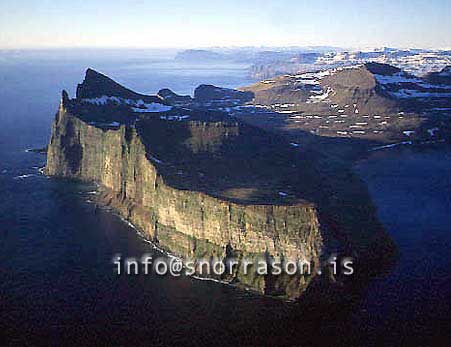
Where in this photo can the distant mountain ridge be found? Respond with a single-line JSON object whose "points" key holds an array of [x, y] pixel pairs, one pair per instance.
{"points": [[200, 55], [372, 100]]}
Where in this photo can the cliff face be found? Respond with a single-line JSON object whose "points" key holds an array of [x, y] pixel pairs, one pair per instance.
{"points": [[201, 185], [187, 223]]}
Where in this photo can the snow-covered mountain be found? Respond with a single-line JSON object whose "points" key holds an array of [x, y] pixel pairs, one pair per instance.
{"points": [[414, 61]]}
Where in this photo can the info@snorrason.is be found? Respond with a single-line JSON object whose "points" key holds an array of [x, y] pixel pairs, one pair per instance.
{"points": [[211, 266]]}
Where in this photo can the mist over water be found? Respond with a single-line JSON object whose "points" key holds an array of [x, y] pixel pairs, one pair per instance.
{"points": [[56, 277]]}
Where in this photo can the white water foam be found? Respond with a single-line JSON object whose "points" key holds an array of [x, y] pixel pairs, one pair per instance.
{"points": [[21, 177]]}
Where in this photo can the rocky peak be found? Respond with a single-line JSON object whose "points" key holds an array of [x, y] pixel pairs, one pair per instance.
{"points": [[355, 78], [166, 93], [172, 98], [381, 69], [446, 70], [208, 92], [440, 77], [64, 102], [64, 97], [96, 85]]}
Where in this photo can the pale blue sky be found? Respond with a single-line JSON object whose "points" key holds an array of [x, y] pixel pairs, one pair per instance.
{"points": [[173, 23]]}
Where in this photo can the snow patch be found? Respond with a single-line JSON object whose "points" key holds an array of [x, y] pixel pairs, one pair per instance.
{"points": [[137, 105], [432, 131], [391, 145], [155, 159], [174, 118], [152, 107]]}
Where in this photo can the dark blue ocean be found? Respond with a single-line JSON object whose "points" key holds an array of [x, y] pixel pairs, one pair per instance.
{"points": [[57, 284]]}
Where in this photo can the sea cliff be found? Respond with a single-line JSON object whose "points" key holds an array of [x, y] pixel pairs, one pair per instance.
{"points": [[192, 222]]}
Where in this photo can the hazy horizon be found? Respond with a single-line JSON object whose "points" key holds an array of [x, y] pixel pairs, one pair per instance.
{"points": [[202, 24], [217, 47]]}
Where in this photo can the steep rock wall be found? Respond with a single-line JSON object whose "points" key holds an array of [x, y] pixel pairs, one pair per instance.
{"points": [[187, 223]]}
